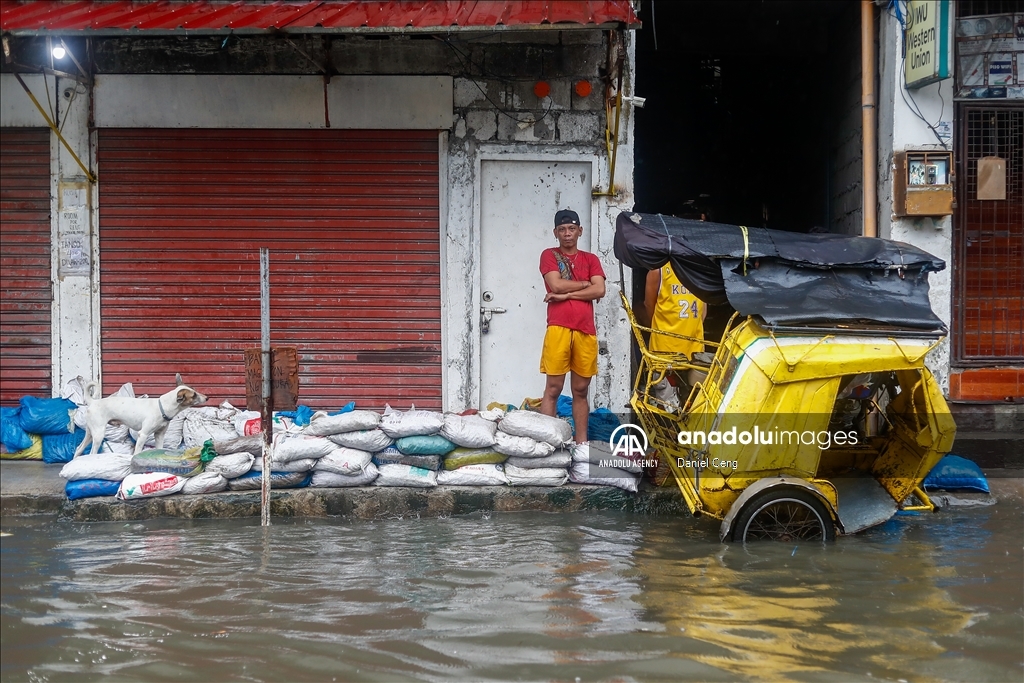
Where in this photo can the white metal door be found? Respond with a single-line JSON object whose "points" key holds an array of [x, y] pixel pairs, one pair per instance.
{"points": [[518, 201]]}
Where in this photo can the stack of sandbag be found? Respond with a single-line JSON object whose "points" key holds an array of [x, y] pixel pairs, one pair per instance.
{"points": [[415, 455], [597, 465], [41, 429], [474, 462], [345, 465], [534, 444]]}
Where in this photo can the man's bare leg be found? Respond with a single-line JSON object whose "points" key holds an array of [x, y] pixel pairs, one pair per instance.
{"points": [[552, 389], [580, 407]]}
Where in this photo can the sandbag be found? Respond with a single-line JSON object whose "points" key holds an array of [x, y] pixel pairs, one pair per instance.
{"points": [[46, 415], [521, 446], [954, 473], [599, 454], [473, 475], [204, 482], [205, 423], [393, 456], [346, 461], [253, 481], [434, 444], [240, 444], [241, 418], [469, 431], [588, 473], [149, 485], [13, 437], [61, 447], [91, 488], [231, 465], [112, 466], [536, 426], [322, 424], [334, 480], [296, 446], [543, 476], [369, 440], [560, 459], [404, 475], [184, 463], [396, 423], [33, 452], [300, 465], [461, 457], [126, 447]]}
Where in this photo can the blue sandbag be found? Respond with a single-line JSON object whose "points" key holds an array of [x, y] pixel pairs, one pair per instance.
{"points": [[424, 445], [46, 415], [90, 488], [954, 473], [12, 435], [61, 447]]}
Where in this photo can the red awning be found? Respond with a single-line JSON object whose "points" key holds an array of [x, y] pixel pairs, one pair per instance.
{"points": [[117, 17]]}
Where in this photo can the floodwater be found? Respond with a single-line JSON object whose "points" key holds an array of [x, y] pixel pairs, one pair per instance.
{"points": [[511, 596]]}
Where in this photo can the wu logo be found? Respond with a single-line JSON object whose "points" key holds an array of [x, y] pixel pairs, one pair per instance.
{"points": [[628, 441]]}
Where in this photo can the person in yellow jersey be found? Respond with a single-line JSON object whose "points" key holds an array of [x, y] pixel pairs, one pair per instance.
{"points": [[670, 306]]}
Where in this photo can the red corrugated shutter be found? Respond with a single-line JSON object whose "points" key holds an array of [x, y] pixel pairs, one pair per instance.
{"points": [[351, 219], [26, 294]]}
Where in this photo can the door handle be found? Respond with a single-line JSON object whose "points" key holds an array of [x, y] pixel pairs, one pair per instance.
{"points": [[485, 317]]}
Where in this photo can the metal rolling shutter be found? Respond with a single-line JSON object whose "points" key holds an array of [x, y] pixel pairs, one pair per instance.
{"points": [[351, 219], [26, 294]]}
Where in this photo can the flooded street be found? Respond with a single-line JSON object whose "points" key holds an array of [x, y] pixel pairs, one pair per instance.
{"points": [[514, 596]]}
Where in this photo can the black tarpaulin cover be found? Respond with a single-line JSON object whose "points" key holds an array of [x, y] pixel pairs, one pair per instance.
{"points": [[790, 279]]}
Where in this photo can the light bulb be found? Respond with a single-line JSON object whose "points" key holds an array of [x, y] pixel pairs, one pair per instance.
{"points": [[59, 52]]}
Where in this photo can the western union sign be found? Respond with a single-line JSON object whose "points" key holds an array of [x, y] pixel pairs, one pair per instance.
{"points": [[926, 42]]}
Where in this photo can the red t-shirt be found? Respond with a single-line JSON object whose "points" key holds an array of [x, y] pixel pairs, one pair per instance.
{"points": [[581, 266]]}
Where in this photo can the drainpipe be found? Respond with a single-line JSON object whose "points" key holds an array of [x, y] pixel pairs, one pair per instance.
{"points": [[869, 154]]}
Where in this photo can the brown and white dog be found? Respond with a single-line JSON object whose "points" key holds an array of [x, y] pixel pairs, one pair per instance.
{"points": [[147, 416]]}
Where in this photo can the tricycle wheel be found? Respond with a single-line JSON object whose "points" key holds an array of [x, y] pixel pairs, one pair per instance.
{"points": [[784, 515]]}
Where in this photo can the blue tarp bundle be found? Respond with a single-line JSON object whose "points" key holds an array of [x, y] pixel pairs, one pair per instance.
{"points": [[600, 424], [46, 415], [12, 435], [954, 473]]}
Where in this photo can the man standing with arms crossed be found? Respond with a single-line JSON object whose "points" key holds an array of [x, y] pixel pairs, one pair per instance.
{"points": [[574, 279]]}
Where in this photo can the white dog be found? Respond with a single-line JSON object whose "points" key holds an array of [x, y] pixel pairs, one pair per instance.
{"points": [[147, 416]]}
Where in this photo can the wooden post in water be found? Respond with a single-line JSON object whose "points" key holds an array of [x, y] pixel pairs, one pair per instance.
{"points": [[266, 417]]}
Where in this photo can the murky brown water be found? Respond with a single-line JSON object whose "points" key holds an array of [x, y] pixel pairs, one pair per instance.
{"points": [[517, 596]]}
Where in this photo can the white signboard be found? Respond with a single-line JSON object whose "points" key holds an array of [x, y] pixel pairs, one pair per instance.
{"points": [[73, 248]]}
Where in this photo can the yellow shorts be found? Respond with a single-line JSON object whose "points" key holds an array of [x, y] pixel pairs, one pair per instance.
{"points": [[566, 350]]}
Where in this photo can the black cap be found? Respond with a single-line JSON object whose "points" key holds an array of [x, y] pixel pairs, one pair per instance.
{"points": [[566, 216]]}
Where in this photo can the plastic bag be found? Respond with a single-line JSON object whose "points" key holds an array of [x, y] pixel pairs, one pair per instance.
{"points": [[14, 438], [113, 466], [323, 424], [473, 475], [334, 480], [536, 426], [560, 459], [370, 440], [300, 465], [184, 463], [521, 446], [61, 447], [535, 477], [393, 456], [588, 473], [33, 452], [231, 466], [150, 485], [954, 473], [404, 475], [397, 424], [469, 431], [347, 461], [204, 482], [91, 488], [46, 415], [253, 481], [461, 457], [424, 445], [296, 446]]}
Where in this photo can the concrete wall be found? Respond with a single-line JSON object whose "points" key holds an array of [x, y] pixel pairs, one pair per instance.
{"points": [[900, 129]]}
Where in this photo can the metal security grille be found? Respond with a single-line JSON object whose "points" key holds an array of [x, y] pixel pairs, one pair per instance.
{"points": [[989, 240]]}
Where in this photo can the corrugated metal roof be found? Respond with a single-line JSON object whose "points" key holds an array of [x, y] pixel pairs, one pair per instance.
{"points": [[117, 17]]}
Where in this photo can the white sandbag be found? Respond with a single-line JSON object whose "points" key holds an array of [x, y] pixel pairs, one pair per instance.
{"points": [[468, 431], [599, 454], [587, 473], [74, 390], [347, 461], [370, 440], [295, 446], [404, 475], [545, 476], [397, 424], [240, 444], [473, 475], [126, 447], [300, 465], [322, 424], [537, 426], [231, 465], [175, 434], [150, 485], [206, 482], [492, 415], [205, 423], [239, 419], [560, 459], [110, 466], [521, 446], [334, 480]]}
